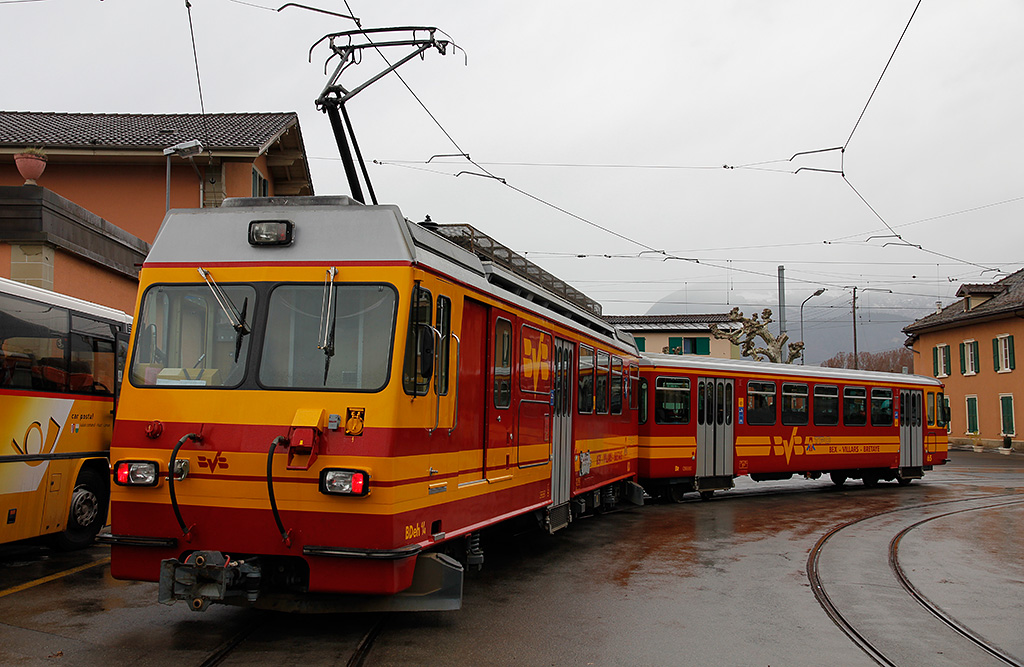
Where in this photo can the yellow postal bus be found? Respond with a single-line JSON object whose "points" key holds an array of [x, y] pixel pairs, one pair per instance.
{"points": [[59, 370]]}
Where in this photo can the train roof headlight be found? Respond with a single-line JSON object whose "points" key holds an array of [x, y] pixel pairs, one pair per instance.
{"points": [[271, 232], [136, 473], [344, 482]]}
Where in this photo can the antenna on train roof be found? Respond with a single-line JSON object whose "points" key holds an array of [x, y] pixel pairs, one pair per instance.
{"points": [[348, 47]]}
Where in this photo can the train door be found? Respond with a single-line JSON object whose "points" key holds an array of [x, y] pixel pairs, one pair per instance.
{"points": [[471, 393], [716, 401], [911, 430], [501, 424], [561, 469]]}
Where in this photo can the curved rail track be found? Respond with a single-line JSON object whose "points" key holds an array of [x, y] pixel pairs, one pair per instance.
{"points": [[848, 627]]}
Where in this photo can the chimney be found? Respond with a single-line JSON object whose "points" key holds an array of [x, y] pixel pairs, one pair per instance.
{"points": [[938, 307]]}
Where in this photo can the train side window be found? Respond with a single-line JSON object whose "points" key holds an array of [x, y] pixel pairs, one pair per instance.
{"points": [[419, 345], [586, 380], [761, 403], [794, 404], [881, 407], [601, 384], [942, 410], [444, 345], [616, 402], [672, 401], [930, 406], [720, 404], [855, 406], [826, 405], [502, 363], [634, 390], [642, 401]]}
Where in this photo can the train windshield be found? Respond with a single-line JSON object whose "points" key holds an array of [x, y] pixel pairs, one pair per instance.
{"points": [[361, 330], [185, 336]]}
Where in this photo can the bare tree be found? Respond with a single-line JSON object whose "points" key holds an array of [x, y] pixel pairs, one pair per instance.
{"points": [[750, 330], [889, 361]]}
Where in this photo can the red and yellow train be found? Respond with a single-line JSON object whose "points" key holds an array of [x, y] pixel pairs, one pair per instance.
{"points": [[326, 404]]}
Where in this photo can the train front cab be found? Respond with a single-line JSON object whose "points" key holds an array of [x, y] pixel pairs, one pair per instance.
{"points": [[334, 426]]}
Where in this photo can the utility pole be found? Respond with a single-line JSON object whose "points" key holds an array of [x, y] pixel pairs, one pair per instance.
{"points": [[856, 362], [782, 301]]}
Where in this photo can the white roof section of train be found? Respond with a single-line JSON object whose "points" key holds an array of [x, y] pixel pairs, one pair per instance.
{"points": [[709, 365]]}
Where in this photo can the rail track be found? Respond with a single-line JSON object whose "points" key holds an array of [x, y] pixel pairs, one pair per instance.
{"points": [[870, 647]]}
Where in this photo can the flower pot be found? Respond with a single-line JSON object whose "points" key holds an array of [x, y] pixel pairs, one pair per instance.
{"points": [[30, 166]]}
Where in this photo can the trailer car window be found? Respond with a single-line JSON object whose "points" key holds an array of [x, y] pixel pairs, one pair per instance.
{"points": [[826, 405], [672, 401], [586, 380], [616, 388], [881, 407], [794, 404], [855, 406], [761, 403]]}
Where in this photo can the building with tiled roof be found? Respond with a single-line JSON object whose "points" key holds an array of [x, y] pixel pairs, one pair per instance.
{"points": [[970, 346], [678, 334], [111, 173]]}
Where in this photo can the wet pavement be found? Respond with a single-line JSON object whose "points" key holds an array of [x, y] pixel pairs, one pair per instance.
{"points": [[723, 581]]}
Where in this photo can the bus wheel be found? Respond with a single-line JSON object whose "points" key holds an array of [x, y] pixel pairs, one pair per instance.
{"points": [[838, 478], [88, 502]]}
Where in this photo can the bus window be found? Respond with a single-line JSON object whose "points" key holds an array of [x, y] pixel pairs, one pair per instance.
{"points": [[881, 407], [34, 339], [672, 401], [761, 403], [826, 405], [616, 386], [794, 404], [855, 406], [586, 380]]}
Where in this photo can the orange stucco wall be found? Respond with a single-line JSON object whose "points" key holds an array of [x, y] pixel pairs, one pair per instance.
{"points": [[5, 259], [987, 385], [84, 280], [238, 177]]}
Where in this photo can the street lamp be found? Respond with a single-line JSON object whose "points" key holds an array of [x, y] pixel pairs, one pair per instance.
{"points": [[186, 150], [820, 291]]}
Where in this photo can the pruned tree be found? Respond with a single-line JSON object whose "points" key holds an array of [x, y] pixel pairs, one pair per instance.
{"points": [[751, 328], [889, 361]]}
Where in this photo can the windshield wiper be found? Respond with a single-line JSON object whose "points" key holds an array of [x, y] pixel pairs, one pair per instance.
{"points": [[327, 321], [235, 319]]}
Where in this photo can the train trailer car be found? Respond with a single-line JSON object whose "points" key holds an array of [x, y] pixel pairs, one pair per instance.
{"points": [[705, 421], [326, 404]]}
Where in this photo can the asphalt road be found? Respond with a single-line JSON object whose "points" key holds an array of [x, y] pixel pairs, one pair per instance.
{"points": [[724, 581]]}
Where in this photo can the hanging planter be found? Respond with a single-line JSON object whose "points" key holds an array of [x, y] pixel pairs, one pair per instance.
{"points": [[31, 164]]}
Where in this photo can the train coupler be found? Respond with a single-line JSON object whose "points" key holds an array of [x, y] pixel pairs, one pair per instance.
{"points": [[209, 576]]}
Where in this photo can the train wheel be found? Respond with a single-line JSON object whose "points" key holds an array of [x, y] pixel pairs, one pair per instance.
{"points": [[675, 493], [85, 519], [870, 480], [903, 481], [838, 478], [706, 495]]}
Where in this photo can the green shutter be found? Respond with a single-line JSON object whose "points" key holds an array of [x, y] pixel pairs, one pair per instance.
{"points": [[1006, 407], [972, 415], [675, 343], [977, 357], [640, 343], [947, 362], [963, 360], [703, 346], [995, 353], [1009, 342], [935, 361]]}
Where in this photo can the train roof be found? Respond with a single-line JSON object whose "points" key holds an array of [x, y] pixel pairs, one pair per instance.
{"points": [[24, 291], [746, 366], [335, 229]]}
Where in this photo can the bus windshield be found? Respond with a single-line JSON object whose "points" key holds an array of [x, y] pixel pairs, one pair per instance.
{"points": [[185, 338]]}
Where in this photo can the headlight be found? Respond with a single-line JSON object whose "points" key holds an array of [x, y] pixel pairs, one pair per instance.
{"points": [[136, 473], [344, 482]]}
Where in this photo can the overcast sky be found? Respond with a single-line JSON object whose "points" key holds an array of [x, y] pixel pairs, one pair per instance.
{"points": [[623, 114]]}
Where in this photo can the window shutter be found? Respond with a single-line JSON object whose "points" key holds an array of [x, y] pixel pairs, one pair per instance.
{"points": [[995, 353], [675, 343], [977, 357], [935, 361], [947, 361], [963, 360], [640, 343], [703, 346], [1009, 343]]}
